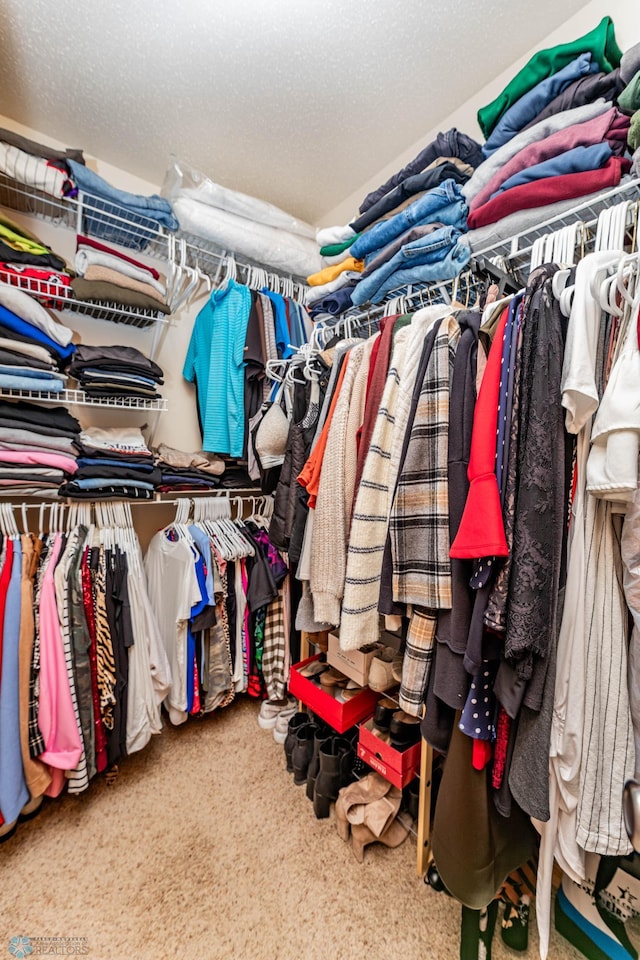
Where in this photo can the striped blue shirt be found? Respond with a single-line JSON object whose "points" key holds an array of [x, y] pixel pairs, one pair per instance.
{"points": [[215, 363]]}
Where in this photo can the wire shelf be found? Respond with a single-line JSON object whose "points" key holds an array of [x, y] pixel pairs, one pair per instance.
{"points": [[25, 199], [54, 292], [168, 499], [516, 250], [112, 223], [79, 398], [463, 289], [115, 312], [109, 222], [52, 288], [87, 214]]}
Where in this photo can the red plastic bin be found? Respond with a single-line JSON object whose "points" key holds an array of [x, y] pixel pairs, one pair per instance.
{"points": [[341, 716]]}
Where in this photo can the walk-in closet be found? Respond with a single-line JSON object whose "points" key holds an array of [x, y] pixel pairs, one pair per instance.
{"points": [[319, 480]]}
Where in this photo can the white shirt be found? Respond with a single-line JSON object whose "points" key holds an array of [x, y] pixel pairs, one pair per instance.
{"points": [[173, 591]]}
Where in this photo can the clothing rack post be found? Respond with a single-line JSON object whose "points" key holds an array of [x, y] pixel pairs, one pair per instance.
{"points": [[424, 808]]}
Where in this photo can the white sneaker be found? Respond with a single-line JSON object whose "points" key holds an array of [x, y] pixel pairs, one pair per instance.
{"points": [[281, 728], [270, 711]]}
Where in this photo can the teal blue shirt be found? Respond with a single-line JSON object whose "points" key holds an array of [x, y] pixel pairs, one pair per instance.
{"points": [[215, 363]]}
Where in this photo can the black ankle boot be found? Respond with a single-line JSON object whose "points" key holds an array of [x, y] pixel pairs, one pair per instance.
{"points": [[324, 734], [302, 752], [336, 764], [296, 721]]}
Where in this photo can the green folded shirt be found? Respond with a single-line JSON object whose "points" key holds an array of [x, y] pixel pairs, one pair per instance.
{"points": [[335, 249], [633, 137], [629, 99], [600, 42]]}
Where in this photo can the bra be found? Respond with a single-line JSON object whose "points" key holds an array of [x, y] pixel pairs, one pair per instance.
{"points": [[271, 435]]}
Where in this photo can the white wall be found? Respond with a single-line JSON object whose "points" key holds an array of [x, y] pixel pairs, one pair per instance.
{"points": [[179, 425], [624, 14]]}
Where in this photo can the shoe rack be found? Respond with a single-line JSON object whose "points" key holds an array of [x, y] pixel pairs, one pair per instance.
{"points": [[309, 642]]}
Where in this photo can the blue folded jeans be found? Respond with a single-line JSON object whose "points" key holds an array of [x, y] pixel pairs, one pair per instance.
{"points": [[432, 248], [150, 212], [443, 268], [444, 203], [419, 183]]}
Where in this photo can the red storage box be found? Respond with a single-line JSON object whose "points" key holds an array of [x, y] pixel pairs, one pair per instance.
{"points": [[341, 716], [399, 767]]}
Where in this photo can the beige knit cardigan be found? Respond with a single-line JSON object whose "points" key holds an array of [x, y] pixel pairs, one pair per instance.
{"points": [[359, 621], [336, 488]]}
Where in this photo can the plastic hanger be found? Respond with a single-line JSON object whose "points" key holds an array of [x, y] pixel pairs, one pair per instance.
{"points": [[185, 292], [11, 517]]}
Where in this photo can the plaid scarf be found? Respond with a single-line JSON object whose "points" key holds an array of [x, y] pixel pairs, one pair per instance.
{"points": [[274, 653], [419, 521]]}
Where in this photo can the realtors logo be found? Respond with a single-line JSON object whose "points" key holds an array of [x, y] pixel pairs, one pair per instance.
{"points": [[20, 947]]}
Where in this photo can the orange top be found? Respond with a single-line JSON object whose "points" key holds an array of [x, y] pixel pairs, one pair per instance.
{"points": [[309, 476]]}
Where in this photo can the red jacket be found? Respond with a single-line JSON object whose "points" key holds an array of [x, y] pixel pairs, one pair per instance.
{"points": [[481, 530]]}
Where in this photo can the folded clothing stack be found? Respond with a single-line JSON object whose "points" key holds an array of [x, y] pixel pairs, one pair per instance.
{"points": [[554, 132], [113, 462], [34, 348], [115, 371], [63, 173], [37, 165], [104, 215], [337, 277], [106, 274], [188, 471], [37, 448], [26, 262], [407, 231]]}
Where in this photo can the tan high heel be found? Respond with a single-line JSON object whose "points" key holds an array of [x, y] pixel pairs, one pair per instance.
{"points": [[342, 824], [361, 836], [353, 800]]}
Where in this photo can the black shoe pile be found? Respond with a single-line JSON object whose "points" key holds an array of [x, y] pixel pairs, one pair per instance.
{"points": [[320, 758]]}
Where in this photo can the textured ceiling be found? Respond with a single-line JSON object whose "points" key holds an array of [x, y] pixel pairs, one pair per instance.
{"points": [[297, 102]]}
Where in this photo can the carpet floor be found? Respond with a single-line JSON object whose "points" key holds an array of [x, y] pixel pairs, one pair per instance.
{"points": [[204, 848]]}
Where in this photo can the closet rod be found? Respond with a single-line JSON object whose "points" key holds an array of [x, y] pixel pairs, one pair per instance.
{"points": [[461, 287], [34, 503]]}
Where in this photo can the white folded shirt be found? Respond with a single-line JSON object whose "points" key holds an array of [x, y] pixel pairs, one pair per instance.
{"points": [[25, 307], [88, 257]]}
